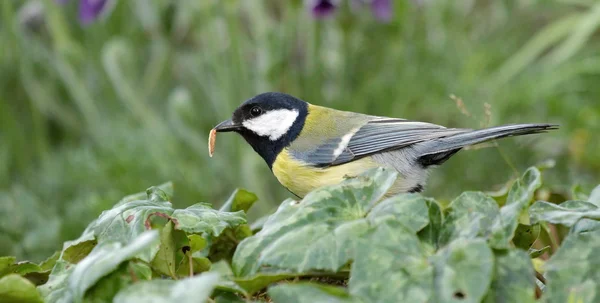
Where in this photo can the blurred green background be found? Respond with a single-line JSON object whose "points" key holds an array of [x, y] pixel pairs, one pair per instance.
{"points": [[90, 113]]}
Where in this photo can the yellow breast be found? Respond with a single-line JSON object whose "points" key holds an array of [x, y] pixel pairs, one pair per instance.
{"points": [[301, 179]]}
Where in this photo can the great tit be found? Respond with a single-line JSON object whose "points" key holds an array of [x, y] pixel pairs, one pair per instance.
{"points": [[308, 146]]}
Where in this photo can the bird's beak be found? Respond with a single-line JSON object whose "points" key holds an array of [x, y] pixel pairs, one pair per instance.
{"points": [[227, 126]]}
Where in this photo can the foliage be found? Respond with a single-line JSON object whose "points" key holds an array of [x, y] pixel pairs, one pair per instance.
{"points": [[91, 113], [341, 243]]}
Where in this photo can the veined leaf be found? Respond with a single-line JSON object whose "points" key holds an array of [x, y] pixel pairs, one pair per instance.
{"points": [[240, 199], [309, 292], [106, 258], [16, 289], [519, 196], [129, 219], [191, 290], [572, 272], [469, 216], [463, 271], [566, 213], [322, 231], [514, 278], [390, 265]]}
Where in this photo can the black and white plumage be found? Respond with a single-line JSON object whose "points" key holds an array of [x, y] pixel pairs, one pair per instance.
{"points": [[308, 146]]}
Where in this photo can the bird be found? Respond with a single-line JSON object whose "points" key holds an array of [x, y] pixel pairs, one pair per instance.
{"points": [[308, 146]]}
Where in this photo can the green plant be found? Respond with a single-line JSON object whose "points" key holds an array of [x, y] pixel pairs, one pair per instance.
{"points": [[341, 243]]}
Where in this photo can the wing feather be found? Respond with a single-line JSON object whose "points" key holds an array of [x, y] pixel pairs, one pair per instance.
{"points": [[376, 136]]}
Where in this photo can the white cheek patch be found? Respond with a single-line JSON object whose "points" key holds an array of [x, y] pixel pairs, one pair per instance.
{"points": [[272, 124]]}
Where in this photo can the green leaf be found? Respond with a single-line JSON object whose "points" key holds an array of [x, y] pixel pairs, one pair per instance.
{"points": [[202, 218], [49, 263], [469, 216], [191, 290], [566, 213], [411, 209], [6, 262], [197, 243], [463, 271], [106, 258], [309, 292], [594, 197], [74, 251], [521, 193], [108, 286], [128, 220], [535, 253], [391, 266], [164, 261], [56, 289], [223, 246], [240, 199], [304, 235], [199, 265], [227, 279], [167, 188], [431, 233], [572, 272], [14, 288], [526, 235], [514, 278]]}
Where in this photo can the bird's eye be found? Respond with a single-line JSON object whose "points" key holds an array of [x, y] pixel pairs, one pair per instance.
{"points": [[255, 111]]}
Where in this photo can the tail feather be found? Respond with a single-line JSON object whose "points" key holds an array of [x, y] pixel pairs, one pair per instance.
{"points": [[449, 145]]}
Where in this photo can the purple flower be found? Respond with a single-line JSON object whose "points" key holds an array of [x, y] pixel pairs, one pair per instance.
{"points": [[89, 10], [323, 8], [381, 9]]}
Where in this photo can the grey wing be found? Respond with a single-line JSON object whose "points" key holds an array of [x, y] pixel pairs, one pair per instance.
{"points": [[375, 136]]}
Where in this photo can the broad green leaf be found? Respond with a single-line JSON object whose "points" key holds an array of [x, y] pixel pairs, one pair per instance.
{"points": [[566, 213], [572, 272], [519, 196], [261, 280], [104, 259], [8, 265], [304, 235], [431, 233], [122, 224], [202, 218], [226, 283], [56, 289], [167, 188], [535, 253], [6, 262], [74, 251], [240, 199], [223, 246], [469, 216], [14, 288], [391, 266], [463, 271], [411, 209], [594, 197], [49, 263], [526, 235], [191, 290], [108, 286], [308, 293], [199, 265], [128, 220], [197, 243], [514, 278], [164, 261]]}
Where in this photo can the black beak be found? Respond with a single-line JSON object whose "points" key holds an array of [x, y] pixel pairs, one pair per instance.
{"points": [[227, 126]]}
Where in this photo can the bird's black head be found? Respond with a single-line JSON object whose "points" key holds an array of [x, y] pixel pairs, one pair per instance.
{"points": [[269, 122]]}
